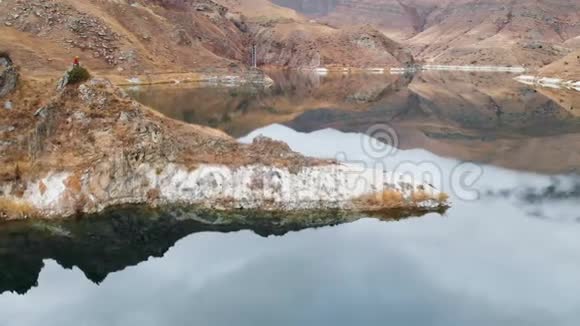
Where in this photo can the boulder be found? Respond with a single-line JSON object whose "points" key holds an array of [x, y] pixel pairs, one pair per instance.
{"points": [[9, 75], [64, 80]]}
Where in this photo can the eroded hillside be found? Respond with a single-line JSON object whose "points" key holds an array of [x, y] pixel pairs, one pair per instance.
{"points": [[135, 36], [150, 36], [502, 32], [567, 68], [286, 38]]}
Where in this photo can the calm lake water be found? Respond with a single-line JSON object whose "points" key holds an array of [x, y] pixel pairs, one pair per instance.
{"points": [[506, 253]]}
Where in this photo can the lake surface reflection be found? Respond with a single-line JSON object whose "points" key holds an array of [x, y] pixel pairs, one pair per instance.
{"points": [[483, 117], [506, 253]]}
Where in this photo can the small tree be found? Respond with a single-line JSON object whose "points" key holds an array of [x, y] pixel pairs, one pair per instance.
{"points": [[77, 75]]}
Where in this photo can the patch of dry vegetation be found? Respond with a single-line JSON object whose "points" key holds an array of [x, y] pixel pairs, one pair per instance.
{"points": [[386, 199], [443, 198], [13, 171], [15, 209], [421, 196], [394, 199]]}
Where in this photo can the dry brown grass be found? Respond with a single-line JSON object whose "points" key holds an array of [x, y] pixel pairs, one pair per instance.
{"points": [[386, 199], [442, 197], [153, 195], [74, 183], [395, 199], [421, 196], [16, 209], [13, 171]]}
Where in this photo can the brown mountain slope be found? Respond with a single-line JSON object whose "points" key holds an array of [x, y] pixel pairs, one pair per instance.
{"points": [[567, 68], [399, 20], [293, 44], [527, 32], [137, 36], [286, 38], [503, 32], [573, 42], [131, 37]]}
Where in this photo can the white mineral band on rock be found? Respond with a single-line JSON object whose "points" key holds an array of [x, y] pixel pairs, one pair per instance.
{"points": [[259, 187]]}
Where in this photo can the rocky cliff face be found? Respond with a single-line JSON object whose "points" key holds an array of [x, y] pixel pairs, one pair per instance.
{"points": [[286, 44], [223, 188]]}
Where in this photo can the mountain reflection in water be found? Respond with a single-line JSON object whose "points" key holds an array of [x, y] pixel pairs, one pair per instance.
{"points": [[482, 117], [126, 236]]}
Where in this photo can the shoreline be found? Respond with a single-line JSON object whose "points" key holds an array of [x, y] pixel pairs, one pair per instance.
{"points": [[258, 76], [221, 188], [465, 68], [549, 82]]}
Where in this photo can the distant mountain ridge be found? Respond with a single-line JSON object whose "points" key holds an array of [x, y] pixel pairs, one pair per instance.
{"points": [[509, 32]]}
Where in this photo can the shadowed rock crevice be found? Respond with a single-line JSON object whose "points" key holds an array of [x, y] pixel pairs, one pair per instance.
{"points": [[9, 75]]}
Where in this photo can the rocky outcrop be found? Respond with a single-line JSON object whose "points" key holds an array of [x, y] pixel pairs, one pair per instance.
{"points": [[82, 30], [219, 187], [290, 44], [91, 147]]}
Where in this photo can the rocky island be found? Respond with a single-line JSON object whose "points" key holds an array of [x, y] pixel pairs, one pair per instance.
{"points": [[86, 146]]}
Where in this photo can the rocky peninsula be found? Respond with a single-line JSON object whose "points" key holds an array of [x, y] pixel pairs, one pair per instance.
{"points": [[87, 146]]}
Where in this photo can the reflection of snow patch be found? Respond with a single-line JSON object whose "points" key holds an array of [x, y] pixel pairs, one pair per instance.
{"points": [[376, 70], [459, 68], [549, 82], [474, 68], [525, 79], [321, 71]]}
